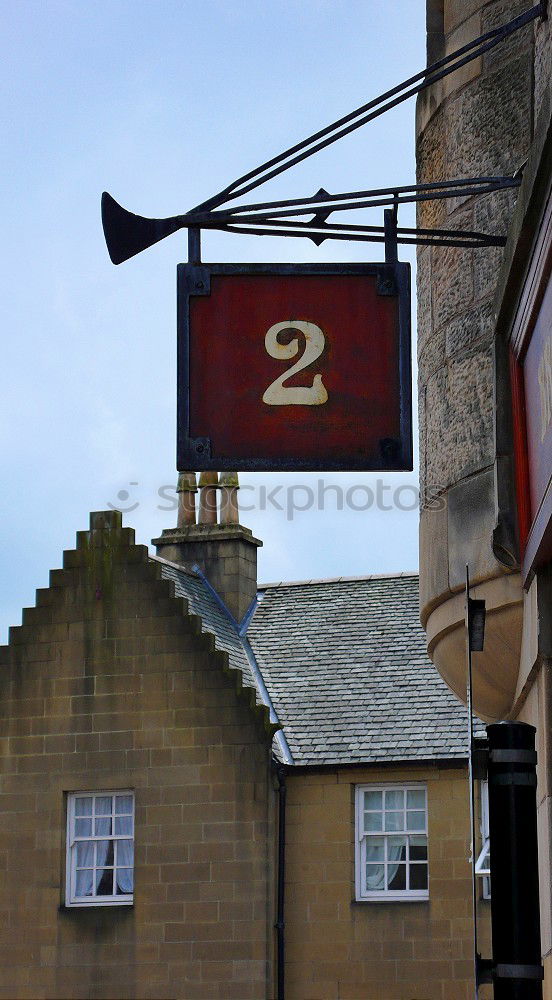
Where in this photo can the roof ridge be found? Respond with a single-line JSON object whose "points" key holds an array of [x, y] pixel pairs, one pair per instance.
{"points": [[188, 570], [243, 685], [260, 686], [339, 579]]}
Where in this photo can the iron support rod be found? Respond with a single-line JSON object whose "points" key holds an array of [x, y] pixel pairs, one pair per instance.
{"points": [[423, 241], [194, 244], [390, 234], [408, 192], [323, 228], [269, 211], [371, 235]]}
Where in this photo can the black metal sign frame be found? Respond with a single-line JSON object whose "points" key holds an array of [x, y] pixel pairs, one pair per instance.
{"points": [[196, 453]]}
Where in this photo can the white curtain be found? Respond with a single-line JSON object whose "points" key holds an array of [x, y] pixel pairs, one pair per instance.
{"points": [[394, 853], [84, 879], [375, 877], [124, 866]]}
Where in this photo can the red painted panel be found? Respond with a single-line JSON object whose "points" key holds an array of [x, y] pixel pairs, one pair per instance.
{"points": [[230, 368], [537, 383], [520, 451], [537, 375]]}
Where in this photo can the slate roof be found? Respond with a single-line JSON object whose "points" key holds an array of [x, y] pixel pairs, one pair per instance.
{"points": [[345, 663], [214, 618], [217, 620], [342, 666]]}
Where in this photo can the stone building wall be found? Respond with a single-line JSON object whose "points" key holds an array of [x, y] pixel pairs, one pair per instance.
{"points": [[476, 122], [336, 947], [110, 684], [489, 119]]}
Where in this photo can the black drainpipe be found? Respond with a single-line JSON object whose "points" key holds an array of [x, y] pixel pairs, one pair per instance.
{"points": [[280, 922]]}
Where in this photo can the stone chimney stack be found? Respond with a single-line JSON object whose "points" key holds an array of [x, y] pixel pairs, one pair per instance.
{"points": [[224, 550]]}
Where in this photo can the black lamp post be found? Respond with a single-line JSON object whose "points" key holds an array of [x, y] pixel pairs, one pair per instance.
{"points": [[517, 970]]}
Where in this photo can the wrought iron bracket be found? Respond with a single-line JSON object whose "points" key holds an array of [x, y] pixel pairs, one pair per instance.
{"points": [[127, 234]]}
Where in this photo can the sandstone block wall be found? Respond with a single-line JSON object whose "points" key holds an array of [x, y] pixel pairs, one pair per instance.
{"points": [[110, 684], [477, 122], [336, 947]]}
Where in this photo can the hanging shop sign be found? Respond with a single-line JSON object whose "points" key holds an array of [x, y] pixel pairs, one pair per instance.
{"points": [[286, 367], [304, 367]]}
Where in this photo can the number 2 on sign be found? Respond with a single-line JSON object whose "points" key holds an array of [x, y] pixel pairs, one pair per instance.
{"points": [[277, 393]]}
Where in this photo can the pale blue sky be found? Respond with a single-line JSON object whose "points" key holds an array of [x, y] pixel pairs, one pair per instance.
{"points": [[162, 104]]}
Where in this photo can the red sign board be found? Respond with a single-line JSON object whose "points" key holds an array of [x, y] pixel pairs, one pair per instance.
{"points": [[294, 367]]}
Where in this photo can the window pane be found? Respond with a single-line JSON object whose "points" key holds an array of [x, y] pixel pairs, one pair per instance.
{"points": [[104, 882], [396, 877], [83, 806], [375, 878], [415, 821], [372, 821], [124, 881], [373, 800], [418, 848], [125, 853], [85, 854], [84, 883], [418, 876], [483, 863], [83, 828], [123, 803], [103, 805], [375, 848], [104, 853], [415, 798], [394, 821], [103, 826], [396, 848], [123, 824], [394, 799]]}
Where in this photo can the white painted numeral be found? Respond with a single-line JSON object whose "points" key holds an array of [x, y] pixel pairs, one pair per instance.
{"points": [[277, 393]]}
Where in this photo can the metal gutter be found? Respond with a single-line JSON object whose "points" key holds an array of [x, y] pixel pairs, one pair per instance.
{"points": [[280, 917]]}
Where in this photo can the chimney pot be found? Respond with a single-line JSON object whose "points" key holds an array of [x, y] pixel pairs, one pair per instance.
{"points": [[208, 484], [229, 486], [225, 552], [186, 488]]}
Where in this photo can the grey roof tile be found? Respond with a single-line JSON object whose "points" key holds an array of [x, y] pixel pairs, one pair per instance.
{"points": [[346, 667], [213, 618], [219, 623]]}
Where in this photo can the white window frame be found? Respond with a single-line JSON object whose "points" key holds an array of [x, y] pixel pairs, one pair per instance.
{"points": [[361, 837], [482, 869], [71, 899]]}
